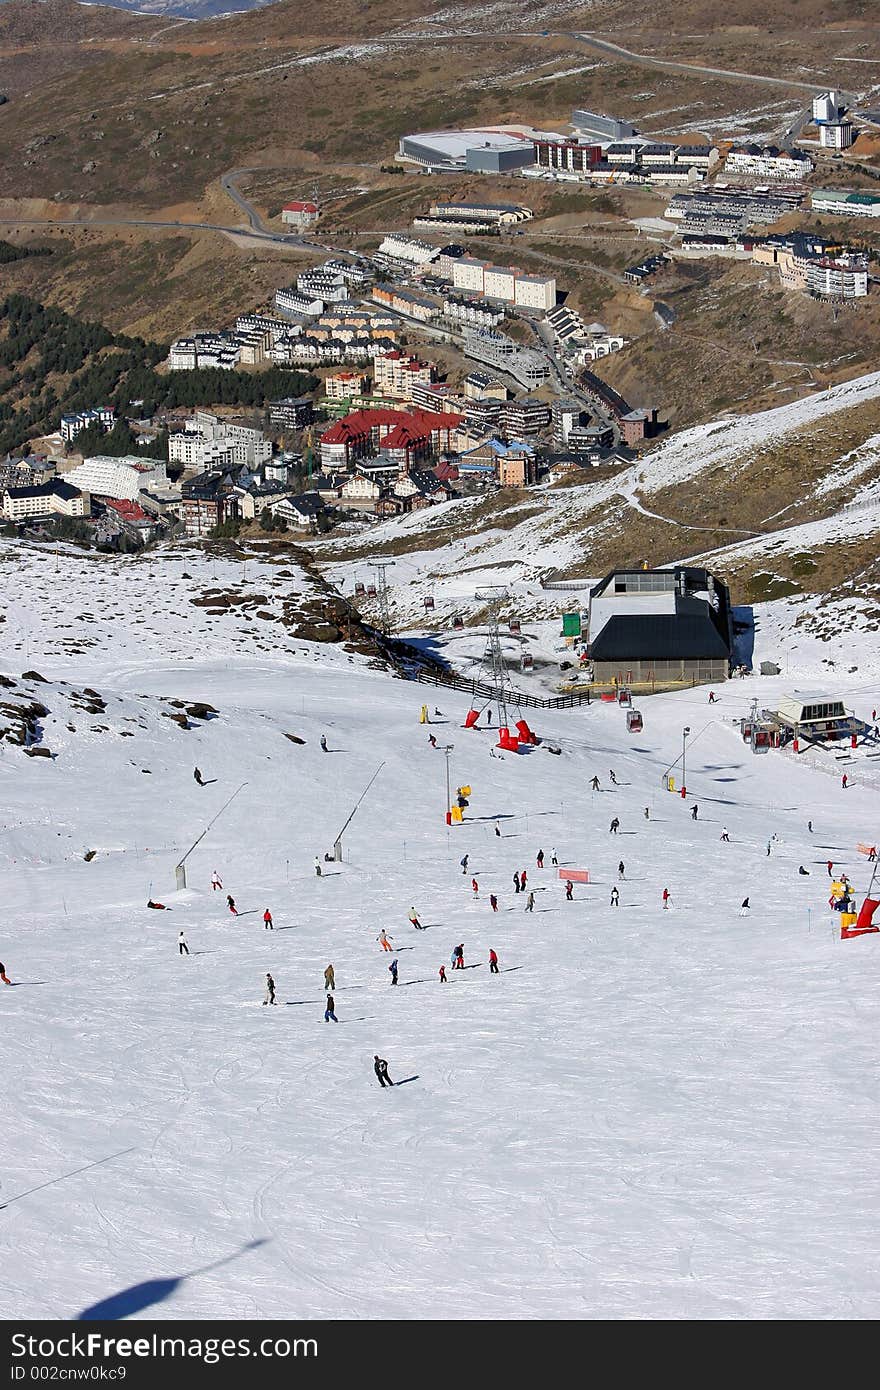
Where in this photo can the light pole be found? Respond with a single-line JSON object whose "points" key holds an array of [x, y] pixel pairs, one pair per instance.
{"points": [[684, 737], [447, 750]]}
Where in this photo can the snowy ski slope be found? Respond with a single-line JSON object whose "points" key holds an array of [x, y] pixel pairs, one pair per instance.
{"points": [[647, 1114]]}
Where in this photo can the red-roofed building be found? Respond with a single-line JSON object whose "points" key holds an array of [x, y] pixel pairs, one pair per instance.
{"points": [[407, 435], [300, 214]]}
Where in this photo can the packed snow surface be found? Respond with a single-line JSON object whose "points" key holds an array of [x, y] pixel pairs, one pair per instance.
{"points": [[645, 1114]]}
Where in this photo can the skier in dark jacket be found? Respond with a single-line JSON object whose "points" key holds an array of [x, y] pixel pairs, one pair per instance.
{"points": [[614, 826], [539, 859], [516, 883], [324, 748], [270, 990], [569, 890], [458, 957], [393, 968], [230, 903], [493, 902], [380, 1067], [695, 811], [330, 1011]]}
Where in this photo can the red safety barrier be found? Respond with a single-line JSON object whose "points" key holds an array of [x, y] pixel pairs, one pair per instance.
{"points": [[576, 875], [507, 741], [471, 718]]}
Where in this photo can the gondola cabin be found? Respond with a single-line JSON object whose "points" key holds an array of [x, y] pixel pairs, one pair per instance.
{"points": [[457, 624], [359, 590], [527, 661], [429, 603], [515, 626], [634, 721]]}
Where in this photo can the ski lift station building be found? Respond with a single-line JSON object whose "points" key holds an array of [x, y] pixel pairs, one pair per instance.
{"points": [[664, 627]]}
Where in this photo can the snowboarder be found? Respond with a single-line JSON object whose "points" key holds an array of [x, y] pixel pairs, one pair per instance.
{"points": [[667, 896], [464, 863], [612, 776], [216, 881], [198, 776], [769, 847], [493, 963], [475, 887], [493, 902], [498, 831], [553, 860], [380, 1067], [530, 903], [182, 948], [523, 880], [647, 813], [615, 897], [810, 826], [595, 784], [268, 924], [745, 908], [803, 871], [872, 854], [414, 919], [329, 978], [432, 740], [539, 859], [695, 811], [393, 969], [516, 883], [330, 1011], [489, 722], [569, 890], [384, 941], [160, 907], [3, 976], [614, 826], [843, 781], [317, 866], [324, 748], [621, 870], [270, 990], [724, 835], [230, 903], [458, 957], [442, 973]]}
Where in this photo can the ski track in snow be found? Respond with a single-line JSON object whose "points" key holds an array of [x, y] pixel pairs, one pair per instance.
{"points": [[647, 1114]]}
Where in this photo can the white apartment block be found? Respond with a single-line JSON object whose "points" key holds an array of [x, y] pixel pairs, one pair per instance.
{"points": [[535, 292], [504, 283], [837, 135], [194, 452], [499, 282], [467, 274], [71, 425], [204, 350], [339, 386], [292, 302], [328, 286], [408, 248], [840, 202], [844, 277], [248, 446], [120, 478], [58, 497], [768, 163]]}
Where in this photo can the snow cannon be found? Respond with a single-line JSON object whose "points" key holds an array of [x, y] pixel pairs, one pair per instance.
{"points": [[525, 733], [863, 925], [507, 740], [470, 719]]}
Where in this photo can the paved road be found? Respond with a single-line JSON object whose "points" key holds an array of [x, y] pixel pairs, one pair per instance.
{"points": [[614, 50]]}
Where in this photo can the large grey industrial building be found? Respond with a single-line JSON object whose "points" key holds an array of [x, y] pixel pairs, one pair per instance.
{"points": [[476, 151], [602, 127]]}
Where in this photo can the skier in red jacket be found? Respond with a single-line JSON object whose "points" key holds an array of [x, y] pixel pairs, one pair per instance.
{"points": [[493, 963]]}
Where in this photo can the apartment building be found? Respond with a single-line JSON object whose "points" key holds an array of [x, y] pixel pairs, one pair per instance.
{"points": [[292, 303], [220, 350], [525, 418], [395, 374], [768, 162], [44, 500], [505, 283], [478, 312], [291, 413], [341, 386], [101, 415], [121, 478], [573, 156]]}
